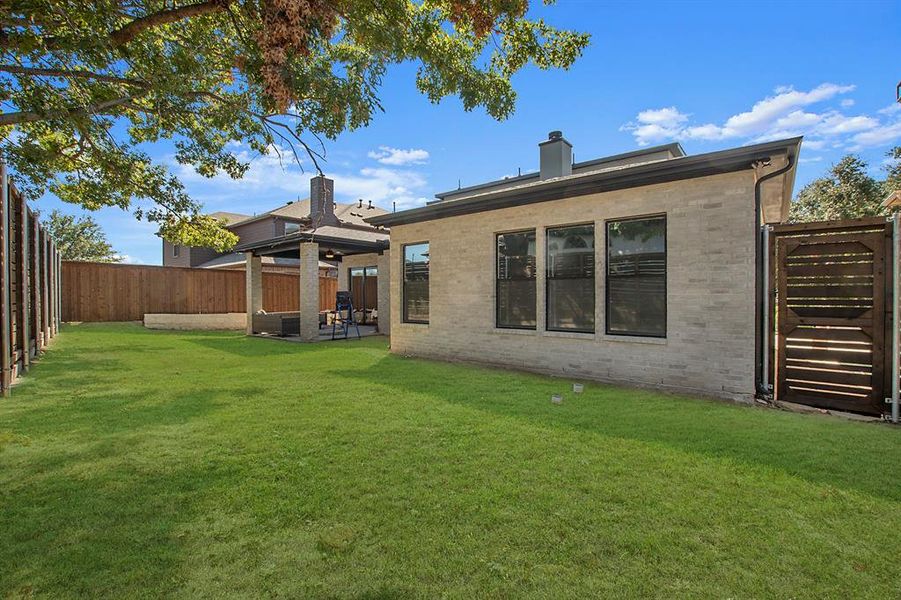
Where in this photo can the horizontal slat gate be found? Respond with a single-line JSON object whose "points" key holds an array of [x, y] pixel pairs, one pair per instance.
{"points": [[830, 315]]}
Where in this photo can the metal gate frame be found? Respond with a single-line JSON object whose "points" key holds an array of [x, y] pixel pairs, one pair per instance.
{"points": [[875, 322]]}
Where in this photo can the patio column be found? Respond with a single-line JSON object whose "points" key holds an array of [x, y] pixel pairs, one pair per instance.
{"points": [[309, 291], [384, 292], [254, 291]]}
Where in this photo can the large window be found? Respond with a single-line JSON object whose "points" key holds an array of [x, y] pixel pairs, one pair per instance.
{"points": [[636, 277], [416, 283], [516, 280], [570, 278]]}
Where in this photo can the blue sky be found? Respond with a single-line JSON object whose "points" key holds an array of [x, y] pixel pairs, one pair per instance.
{"points": [[710, 75]]}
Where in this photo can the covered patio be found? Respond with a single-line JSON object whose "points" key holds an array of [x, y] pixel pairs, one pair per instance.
{"points": [[361, 255]]}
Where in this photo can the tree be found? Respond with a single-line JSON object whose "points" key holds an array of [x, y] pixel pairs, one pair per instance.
{"points": [[893, 172], [80, 239], [847, 191], [90, 84]]}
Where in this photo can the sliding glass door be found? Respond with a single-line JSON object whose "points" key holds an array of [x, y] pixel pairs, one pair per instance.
{"points": [[364, 286]]}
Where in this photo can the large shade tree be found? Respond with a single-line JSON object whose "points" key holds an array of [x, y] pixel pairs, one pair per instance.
{"points": [[847, 191], [85, 86]]}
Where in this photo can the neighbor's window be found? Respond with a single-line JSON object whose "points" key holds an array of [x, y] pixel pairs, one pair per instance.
{"points": [[291, 228], [570, 278], [416, 283], [636, 277], [176, 250], [516, 280]]}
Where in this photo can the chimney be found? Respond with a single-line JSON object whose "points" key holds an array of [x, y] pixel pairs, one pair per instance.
{"points": [[556, 156], [322, 204]]}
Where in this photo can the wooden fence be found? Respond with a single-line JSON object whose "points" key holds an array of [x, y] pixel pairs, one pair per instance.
{"points": [[29, 284], [116, 292]]}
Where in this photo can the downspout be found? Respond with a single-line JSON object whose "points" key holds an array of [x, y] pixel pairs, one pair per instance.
{"points": [[896, 309], [761, 295]]}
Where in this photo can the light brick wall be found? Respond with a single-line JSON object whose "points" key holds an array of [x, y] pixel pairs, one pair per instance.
{"points": [[309, 291], [384, 293], [349, 262], [709, 347]]}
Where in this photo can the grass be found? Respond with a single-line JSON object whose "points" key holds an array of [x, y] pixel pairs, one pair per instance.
{"points": [[138, 463]]}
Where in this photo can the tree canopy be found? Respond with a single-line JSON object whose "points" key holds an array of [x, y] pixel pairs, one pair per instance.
{"points": [[847, 191], [86, 86], [80, 239]]}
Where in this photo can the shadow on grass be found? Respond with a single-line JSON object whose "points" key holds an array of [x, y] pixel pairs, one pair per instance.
{"points": [[101, 524], [263, 347], [824, 450]]}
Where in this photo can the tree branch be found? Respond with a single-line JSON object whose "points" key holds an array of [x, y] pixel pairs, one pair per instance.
{"points": [[74, 74], [18, 118], [129, 31]]}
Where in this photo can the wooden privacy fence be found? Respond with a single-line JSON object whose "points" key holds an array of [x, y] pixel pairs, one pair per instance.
{"points": [[116, 292], [29, 284]]}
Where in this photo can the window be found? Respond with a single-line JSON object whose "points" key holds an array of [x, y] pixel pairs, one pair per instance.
{"points": [[291, 228], [636, 277], [416, 283], [176, 250], [516, 297], [570, 278]]}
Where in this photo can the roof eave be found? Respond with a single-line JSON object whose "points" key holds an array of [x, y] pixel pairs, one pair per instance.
{"points": [[674, 147], [285, 242], [688, 167]]}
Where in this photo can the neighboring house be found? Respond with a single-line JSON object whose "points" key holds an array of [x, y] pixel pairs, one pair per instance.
{"points": [[288, 219], [639, 268]]}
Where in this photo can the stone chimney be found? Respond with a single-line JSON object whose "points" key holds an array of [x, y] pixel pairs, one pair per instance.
{"points": [[322, 201], [556, 156]]}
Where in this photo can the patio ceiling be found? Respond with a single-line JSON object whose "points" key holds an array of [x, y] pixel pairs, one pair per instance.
{"points": [[287, 246]]}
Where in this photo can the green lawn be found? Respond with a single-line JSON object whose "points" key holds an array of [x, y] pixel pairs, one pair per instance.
{"points": [[209, 464]]}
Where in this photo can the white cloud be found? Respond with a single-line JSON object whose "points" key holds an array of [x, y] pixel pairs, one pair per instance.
{"points": [[883, 134], [786, 113], [269, 183], [836, 123], [656, 125], [767, 111], [398, 156]]}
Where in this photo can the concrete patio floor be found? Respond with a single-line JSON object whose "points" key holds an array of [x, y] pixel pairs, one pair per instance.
{"points": [[325, 334]]}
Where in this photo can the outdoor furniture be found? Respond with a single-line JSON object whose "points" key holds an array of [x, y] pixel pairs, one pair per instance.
{"points": [[278, 323], [344, 304]]}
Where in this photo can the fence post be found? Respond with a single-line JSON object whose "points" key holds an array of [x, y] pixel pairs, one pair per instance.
{"points": [[59, 290], [51, 257], [45, 289], [36, 310], [24, 287], [5, 352]]}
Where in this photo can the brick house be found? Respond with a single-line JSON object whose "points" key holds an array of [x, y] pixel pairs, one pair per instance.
{"points": [[288, 219], [640, 268]]}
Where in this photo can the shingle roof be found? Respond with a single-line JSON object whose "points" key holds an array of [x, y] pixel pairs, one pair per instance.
{"points": [[230, 218], [352, 214]]}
